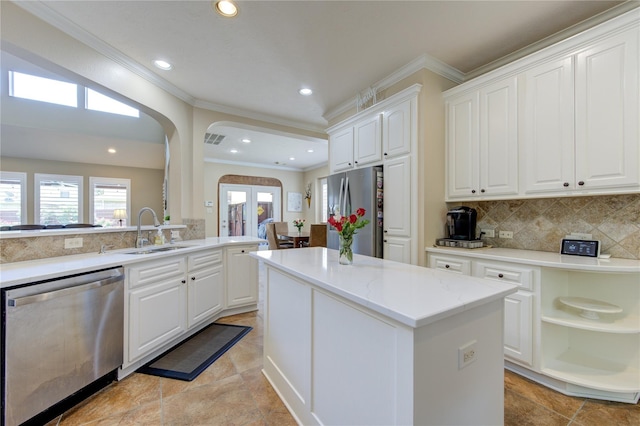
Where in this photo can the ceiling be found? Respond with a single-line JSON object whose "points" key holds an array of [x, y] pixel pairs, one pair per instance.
{"points": [[254, 64]]}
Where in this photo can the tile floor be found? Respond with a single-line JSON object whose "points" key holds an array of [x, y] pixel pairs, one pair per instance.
{"points": [[233, 391]]}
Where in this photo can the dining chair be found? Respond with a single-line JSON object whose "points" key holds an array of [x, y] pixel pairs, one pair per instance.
{"points": [[272, 238], [283, 228], [318, 235]]}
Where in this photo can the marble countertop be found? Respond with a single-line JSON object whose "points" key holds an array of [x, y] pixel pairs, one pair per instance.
{"points": [[545, 259], [412, 295], [32, 271]]}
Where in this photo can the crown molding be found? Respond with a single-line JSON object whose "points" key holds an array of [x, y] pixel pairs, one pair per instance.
{"points": [[421, 62]]}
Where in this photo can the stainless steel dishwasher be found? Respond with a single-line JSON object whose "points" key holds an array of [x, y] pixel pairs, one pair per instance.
{"points": [[59, 336]]}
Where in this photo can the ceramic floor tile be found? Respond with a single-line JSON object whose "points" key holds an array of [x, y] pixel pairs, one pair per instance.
{"points": [[225, 402], [555, 401], [520, 411], [222, 368], [119, 397], [599, 413]]}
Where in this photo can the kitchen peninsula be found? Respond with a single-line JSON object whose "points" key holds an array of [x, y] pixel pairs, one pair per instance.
{"points": [[381, 342]]}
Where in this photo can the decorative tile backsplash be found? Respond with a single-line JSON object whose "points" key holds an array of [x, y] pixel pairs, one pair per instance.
{"points": [[41, 247], [540, 224]]}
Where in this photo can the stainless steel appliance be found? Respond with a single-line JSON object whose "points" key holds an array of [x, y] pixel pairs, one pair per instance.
{"points": [[58, 337], [461, 223], [349, 191]]}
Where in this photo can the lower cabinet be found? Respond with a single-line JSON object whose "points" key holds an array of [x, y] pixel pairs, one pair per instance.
{"points": [[518, 307], [242, 276], [397, 249], [165, 298]]}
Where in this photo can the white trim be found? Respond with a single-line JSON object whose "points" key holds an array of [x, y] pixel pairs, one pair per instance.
{"points": [[38, 177], [93, 181], [22, 177]]}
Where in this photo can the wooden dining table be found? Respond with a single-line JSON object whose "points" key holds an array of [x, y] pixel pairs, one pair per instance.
{"points": [[298, 238]]}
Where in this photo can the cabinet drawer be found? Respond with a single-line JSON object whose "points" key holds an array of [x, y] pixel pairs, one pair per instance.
{"points": [[204, 259], [450, 264], [149, 273], [523, 277]]}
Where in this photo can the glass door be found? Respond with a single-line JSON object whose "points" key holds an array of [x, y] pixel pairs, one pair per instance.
{"points": [[246, 209]]}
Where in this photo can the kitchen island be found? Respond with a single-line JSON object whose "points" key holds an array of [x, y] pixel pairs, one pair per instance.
{"points": [[381, 342]]}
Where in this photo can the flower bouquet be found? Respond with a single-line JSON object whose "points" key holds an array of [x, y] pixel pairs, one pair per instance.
{"points": [[347, 227], [298, 223]]}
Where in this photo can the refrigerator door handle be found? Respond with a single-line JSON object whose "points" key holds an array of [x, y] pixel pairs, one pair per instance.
{"points": [[340, 198], [346, 194]]}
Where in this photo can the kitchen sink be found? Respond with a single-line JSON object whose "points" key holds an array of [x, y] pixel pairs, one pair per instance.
{"points": [[156, 250]]}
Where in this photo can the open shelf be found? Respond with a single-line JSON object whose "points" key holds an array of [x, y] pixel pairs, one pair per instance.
{"points": [[627, 324], [585, 370]]}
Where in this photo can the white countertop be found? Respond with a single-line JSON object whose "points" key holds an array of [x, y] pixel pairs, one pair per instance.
{"points": [[544, 258], [30, 271], [413, 295]]}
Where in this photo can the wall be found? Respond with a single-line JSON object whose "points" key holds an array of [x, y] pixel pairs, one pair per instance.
{"points": [[146, 184], [314, 215], [540, 224]]}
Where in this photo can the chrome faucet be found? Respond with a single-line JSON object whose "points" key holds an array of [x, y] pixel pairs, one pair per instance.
{"points": [[139, 240]]}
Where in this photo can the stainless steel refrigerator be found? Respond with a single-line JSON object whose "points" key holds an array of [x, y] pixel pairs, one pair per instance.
{"points": [[349, 191]]}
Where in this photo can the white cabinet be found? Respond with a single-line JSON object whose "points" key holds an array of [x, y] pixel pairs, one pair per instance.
{"points": [[589, 347], [341, 150], [242, 276], [482, 145], [205, 286], [367, 141], [397, 249], [356, 145], [397, 197], [518, 308], [600, 102], [156, 305], [560, 122], [397, 127], [607, 98]]}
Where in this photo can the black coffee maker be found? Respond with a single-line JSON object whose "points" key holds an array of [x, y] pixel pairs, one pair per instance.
{"points": [[461, 223]]}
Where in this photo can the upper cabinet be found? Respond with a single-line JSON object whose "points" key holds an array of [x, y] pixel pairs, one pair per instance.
{"points": [[562, 121], [482, 149]]}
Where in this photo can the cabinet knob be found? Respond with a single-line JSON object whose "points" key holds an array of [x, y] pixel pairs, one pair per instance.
{"points": [[446, 266], [384, 241], [356, 162], [581, 183], [385, 153], [473, 191], [500, 275], [482, 190], [349, 163], [242, 251], [385, 231], [183, 281], [193, 278], [565, 184]]}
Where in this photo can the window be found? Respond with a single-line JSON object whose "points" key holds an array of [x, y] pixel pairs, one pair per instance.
{"points": [[107, 195], [99, 102], [13, 198], [58, 199], [42, 89], [325, 200]]}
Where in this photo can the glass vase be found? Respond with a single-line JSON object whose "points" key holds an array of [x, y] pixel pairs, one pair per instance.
{"points": [[346, 255]]}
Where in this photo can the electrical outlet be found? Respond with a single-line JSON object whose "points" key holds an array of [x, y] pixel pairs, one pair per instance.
{"points": [[70, 243], [467, 354], [489, 233], [505, 234]]}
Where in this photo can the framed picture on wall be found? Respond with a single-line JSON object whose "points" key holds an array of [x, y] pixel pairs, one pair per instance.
{"points": [[294, 201]]}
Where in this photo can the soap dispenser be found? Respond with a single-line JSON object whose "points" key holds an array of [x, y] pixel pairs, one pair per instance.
{"points": [[159, 240]]}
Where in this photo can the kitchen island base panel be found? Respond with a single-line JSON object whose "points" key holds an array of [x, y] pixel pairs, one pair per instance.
{"points": [[333, 361]]}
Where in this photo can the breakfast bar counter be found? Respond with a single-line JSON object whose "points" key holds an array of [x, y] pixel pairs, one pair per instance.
{"points": [[381, 342]]}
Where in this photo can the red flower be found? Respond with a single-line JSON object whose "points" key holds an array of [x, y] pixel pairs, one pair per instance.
{"points": [[360, 212], [353, 219]]}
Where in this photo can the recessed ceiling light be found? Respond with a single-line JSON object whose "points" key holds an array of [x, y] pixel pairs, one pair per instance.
{"points": [[305, 91], [226, 8], [233, 151], [309, 150], [163, 65], [292, 158], [245, 140], [111, 151]]}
